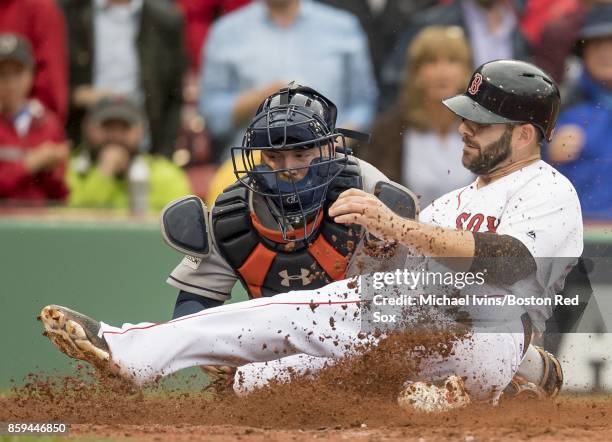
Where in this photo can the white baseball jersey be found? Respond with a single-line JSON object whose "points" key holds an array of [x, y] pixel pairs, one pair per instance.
{"points": [[536, 205]]}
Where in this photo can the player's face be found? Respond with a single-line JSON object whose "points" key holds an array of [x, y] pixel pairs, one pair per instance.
{"points": [[485, 146], [597, 56], [15, 84], [114, 131], [297, 159], [442, 77]]}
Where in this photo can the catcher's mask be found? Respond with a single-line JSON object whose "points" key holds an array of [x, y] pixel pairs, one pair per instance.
{"points": [[295, 118]]}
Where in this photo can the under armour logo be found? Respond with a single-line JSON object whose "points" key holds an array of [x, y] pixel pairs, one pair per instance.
{"points": [[287, 277], [476, 82]]}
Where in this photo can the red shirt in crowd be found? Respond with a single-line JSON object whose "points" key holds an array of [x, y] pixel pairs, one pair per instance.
{"points": [[539, 13], [43, 24], [16, 182], [199, 15]]}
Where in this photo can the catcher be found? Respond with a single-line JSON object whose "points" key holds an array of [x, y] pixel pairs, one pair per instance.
{"points": [[271, 229]]}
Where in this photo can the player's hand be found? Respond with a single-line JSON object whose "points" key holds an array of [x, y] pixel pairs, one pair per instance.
{"points": [[113, 160], [47, 156], [567, 144], [220, 372], [354, 206]]}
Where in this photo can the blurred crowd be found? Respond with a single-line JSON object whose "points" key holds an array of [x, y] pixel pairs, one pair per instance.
{"points": [[106, 102]]}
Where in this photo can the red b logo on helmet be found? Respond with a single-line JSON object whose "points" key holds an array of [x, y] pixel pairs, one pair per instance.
{"points": [[476, 82]]}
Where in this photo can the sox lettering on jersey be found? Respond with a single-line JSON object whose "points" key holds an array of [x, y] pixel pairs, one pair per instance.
{"points": [[467, 221]]}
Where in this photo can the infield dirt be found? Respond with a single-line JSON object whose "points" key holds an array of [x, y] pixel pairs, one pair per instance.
{"points": [[305, 410]]}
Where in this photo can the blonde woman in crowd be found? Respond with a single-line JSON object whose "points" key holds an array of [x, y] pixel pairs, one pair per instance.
{"points": [[416, 142]]}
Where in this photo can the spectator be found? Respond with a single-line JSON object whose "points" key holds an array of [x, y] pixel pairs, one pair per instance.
{"points": [[223, 177], [551, 27], [113, 132], [383, 21], [416, 142], [32, 143], [193, 147], [538, 13], [133, 48], [41, 23], [254, 51], [581, 147], [490, 25], [199, 15]]}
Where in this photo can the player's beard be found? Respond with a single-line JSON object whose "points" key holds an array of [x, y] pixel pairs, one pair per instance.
{"points": [[489, 156]]}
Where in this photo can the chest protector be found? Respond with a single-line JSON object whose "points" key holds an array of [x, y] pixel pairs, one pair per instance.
{"points": [[265, 263]]}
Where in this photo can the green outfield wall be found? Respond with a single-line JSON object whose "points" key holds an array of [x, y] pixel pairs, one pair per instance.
{"points": [[113, 270]]}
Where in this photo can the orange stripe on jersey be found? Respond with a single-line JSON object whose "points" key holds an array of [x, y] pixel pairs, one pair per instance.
{"points": [[328, 258], [255, 268]]}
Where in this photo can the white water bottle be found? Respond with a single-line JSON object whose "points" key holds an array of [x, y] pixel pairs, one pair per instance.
{"points": [[138, 182]]}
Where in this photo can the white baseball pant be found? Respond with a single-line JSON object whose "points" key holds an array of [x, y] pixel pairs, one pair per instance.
{"points": [[324, 324]]}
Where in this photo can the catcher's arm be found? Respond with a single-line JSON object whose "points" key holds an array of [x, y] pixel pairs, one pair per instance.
{"points": [[184, 227]]}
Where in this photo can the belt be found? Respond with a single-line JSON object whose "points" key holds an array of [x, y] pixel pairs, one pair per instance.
{"points": [[527, 330]]}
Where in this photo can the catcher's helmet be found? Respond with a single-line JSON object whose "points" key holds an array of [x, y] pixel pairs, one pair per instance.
{"points": [[509, 91], [296, 117]]}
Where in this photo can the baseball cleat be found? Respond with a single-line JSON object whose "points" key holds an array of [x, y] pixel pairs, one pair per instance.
{"points": [[75, 335], [552, 381], [548, 387], [428, 398], [520, 388]]}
